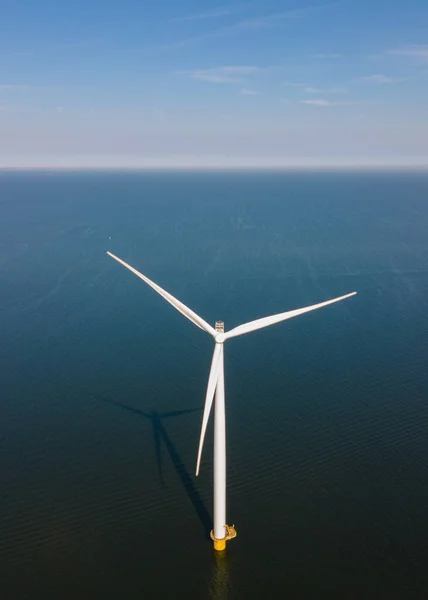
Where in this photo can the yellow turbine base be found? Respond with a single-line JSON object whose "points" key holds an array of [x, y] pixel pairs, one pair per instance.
{"points": [[220, 543]]}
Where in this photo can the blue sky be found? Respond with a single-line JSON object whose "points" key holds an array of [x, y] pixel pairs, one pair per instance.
{"points": [[186, 84]]}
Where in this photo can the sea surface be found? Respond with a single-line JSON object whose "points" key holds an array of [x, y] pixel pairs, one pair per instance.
{"points": [[102, 385]]}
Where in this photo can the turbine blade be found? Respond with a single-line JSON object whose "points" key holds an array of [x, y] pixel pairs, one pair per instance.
{"points": [[212, 384], [266, 321], [187, 312]]}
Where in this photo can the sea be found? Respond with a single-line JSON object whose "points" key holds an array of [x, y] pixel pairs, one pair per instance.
{"points": [[102, 385]]}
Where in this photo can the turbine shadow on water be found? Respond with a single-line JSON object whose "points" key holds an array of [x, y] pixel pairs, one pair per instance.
{"points": [[160, 435]]}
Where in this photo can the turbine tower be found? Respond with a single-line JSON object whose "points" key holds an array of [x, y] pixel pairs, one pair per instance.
{"points": [[221, 532]]}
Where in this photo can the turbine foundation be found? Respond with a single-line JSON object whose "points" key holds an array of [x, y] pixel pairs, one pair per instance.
{"points": [[220, 544]]}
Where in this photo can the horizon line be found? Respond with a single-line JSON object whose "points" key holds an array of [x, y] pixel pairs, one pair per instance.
{"points": [[187, 168]]}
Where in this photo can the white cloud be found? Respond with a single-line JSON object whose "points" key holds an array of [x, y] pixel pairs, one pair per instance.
{"points": [[381, 79], [319, 102], [418, 52], [326, 55], [246, 92], [230, 74], [309, 89], [322, 102]]}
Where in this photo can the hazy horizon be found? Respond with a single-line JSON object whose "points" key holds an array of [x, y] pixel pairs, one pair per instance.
{"points": [[422, 164]]}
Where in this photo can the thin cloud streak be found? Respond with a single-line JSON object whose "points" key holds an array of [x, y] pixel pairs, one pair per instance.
{"points": [[294, 84], [253, 23], [309, 89], [419, 52], [323, 102], [215, 13], [326, 56], [268, 20], [379, 79], [228, 74], [246, 92]]}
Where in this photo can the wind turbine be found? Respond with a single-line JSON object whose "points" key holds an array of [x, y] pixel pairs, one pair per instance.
{"points": [[222, 532]]}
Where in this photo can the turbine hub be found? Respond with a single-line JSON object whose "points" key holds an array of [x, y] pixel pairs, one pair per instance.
{"points": [[219, 338]]}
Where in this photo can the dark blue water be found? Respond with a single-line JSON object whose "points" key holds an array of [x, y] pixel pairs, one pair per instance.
{"points": [[327, 414]]}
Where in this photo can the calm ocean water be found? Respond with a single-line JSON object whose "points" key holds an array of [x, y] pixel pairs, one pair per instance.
{"points": [[327, 414]]}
